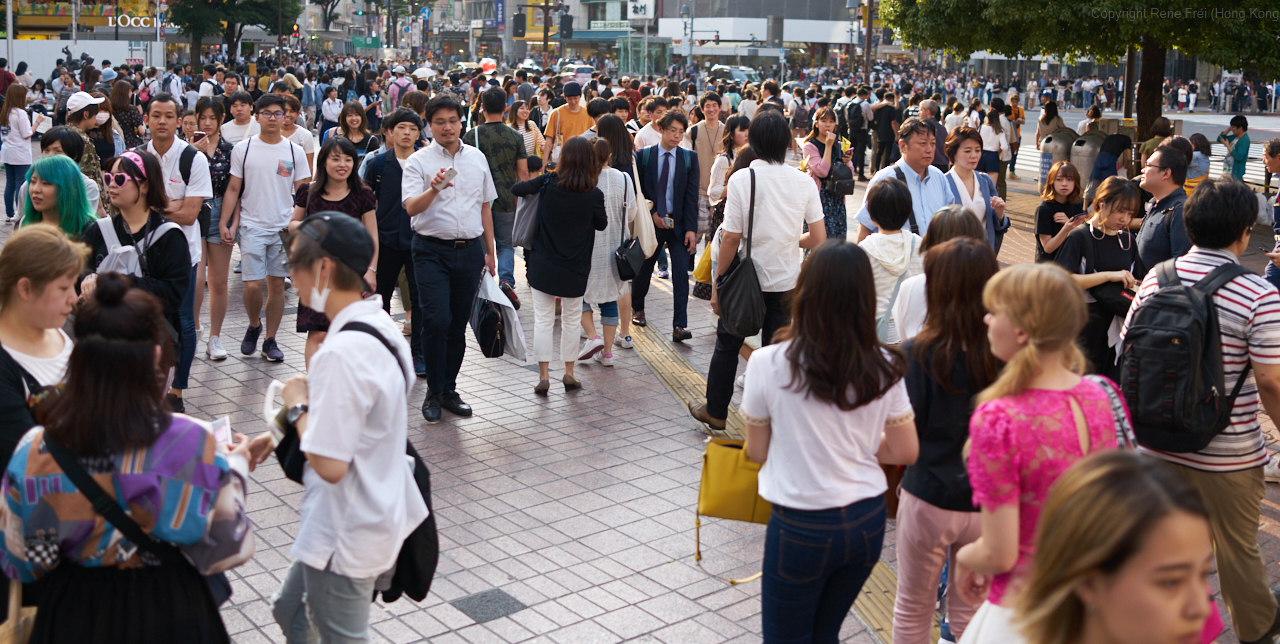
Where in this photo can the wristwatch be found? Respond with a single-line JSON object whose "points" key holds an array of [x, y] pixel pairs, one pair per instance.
{"points": [[295, 412]]}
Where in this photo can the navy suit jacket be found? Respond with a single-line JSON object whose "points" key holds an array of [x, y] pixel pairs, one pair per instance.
{"points": [[684, 202]]}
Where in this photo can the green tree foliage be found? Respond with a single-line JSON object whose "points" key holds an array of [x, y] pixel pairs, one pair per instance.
{"points": [[1236, 34], [198, 19]]}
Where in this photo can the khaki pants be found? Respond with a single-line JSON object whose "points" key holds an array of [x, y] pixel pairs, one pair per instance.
{"points": [[1235, 507]]}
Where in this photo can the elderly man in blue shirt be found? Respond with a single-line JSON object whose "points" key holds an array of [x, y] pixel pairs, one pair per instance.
{"points": [[929, 193]]}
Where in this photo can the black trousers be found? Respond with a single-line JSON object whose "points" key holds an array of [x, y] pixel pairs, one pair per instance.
{"points": [[390, 263], [884, 154], [679, 276], [860, 151], [448, 279], [724, 361]]}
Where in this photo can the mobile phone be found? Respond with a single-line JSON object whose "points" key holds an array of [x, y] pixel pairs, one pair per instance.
{"points": [[198, 136], [222, 430], [449, 175], [671, 223]]}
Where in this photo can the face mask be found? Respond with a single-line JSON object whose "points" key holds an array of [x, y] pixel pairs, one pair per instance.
{"points": [[318, 298], [102, 118]]}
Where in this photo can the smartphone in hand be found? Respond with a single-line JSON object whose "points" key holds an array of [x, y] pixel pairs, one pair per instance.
{"points": [[199, 136]]}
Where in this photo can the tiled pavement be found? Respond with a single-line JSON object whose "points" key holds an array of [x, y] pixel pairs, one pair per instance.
{"points": [[579, 506]]}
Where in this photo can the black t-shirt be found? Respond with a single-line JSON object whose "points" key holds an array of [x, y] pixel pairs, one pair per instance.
{"points": [[1045, 225], [1111, 253], [938, 477]]}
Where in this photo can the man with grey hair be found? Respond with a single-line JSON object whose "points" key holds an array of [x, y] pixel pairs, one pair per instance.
{"points": [[929, 112]]}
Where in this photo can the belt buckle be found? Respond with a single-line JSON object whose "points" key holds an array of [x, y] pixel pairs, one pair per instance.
{"points": [[459, 243]]}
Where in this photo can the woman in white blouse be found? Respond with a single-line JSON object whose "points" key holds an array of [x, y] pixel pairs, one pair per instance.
{"points": [[974, 189], [735, 139], [330, 110], [821, 430], [995, 143]]}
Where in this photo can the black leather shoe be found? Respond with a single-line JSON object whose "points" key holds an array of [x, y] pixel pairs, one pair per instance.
{"points": [[453, 402], [637, 319], [679, 334], [431, 408]]}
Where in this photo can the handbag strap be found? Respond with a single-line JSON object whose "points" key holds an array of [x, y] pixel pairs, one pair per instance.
{"points": [[1124, 430], [622, 233], [110, 508], [751, 212]]}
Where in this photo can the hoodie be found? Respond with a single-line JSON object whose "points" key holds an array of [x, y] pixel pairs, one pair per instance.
{"points": [[893, 256]]}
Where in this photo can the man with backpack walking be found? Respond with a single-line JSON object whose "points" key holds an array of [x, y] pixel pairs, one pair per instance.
{"points": [[1192, 348], [398, 87], [857, 120]]}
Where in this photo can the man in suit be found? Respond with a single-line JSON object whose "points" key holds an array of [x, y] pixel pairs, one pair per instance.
{"points": [[669, 178]]}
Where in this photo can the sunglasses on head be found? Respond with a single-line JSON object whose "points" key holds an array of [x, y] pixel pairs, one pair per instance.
{"points": [[119, 178]]}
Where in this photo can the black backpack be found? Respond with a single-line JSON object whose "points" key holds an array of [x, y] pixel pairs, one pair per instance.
{"points": [[185, 159], [854, 119], [1171, 364]]}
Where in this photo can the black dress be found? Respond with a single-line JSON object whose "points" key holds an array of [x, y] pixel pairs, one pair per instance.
{"points": [[563, 236], [1083, 253]]}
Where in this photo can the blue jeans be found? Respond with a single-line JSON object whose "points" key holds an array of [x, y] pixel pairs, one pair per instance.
{"points": [[608, 312], [815, 563], [315, 606], [448, 279], [503, 222], [187, 317], [14, 175]]}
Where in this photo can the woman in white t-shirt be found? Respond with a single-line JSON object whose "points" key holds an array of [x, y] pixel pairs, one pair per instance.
{"points": [[15, 154], [824, 407], [38, 270]]}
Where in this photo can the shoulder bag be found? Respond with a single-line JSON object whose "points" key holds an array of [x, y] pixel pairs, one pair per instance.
{"points": [[526, 217], [741, 299], [629, 256], [729, 490], [109, 508]]}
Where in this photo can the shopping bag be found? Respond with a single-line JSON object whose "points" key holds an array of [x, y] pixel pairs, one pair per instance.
{"points": [[486, 316], [702, 272], [527, 218], [729, 490], [513, 339]]}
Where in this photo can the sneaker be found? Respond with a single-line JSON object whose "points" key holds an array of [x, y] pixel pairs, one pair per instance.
{"points": [[1271, 471], [622, 341], [271, 351], [199, 333], [175, 404], [250, 342], [741, 381], [663, 273], [605, 359], [407, 328], [288, 283], [510, 291], [590, 348], [1014, 177], [214, 349], [237, 268]]}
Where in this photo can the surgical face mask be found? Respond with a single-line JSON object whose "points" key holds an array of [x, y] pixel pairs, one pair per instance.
{"points": [[101, 118], [319, 297]]}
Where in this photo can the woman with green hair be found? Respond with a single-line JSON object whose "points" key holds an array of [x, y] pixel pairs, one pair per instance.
{"points": [[56, 195]]}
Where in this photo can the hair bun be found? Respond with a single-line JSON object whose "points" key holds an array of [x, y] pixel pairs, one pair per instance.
{"points": [[111, 288]]}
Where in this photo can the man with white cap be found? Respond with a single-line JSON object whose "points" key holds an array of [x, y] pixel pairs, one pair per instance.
{"points": [[82, 114], [398, 87]]}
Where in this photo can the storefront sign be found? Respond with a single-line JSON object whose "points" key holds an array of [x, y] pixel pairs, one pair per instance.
{"points": [[610, 24], [132, 21]]}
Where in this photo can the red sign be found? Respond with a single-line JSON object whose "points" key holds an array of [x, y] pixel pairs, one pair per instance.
{"points": [[134, 61]]}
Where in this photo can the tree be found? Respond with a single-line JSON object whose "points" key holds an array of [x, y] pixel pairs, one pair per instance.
{"points": [[328, 11], [200, 18], [197, 19], [1221, 32]]}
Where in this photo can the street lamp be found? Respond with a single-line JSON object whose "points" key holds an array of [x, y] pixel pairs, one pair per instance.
{"points": [[688, 28], [852, 6]]}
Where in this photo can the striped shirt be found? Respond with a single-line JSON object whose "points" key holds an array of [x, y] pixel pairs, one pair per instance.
{"points": [[1249, 321]]}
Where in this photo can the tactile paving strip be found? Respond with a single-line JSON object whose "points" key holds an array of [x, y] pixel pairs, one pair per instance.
{"points": [[874, 605]]}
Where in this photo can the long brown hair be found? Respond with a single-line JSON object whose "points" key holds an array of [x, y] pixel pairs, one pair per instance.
{"points": [[578, 169], [835, 354], [955, 273], [15, 98], [121, 92]]}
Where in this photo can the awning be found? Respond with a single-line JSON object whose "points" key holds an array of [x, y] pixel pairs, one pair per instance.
{"points": [[599, 35]]}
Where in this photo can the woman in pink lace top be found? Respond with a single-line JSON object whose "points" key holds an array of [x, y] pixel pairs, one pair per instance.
{"points": [[1037, 419]]}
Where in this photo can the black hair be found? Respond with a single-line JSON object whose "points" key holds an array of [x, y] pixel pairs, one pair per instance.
{"points": [[769, 136], [889, 203], [709, 96], [493, 100], [619, 103], [156, 198], [598, 107], [1240, 121], [533, 163], [442, 102], [1173, 160], [673, 116], [614, 132], [402, 115], [209, 103], [335, 145], [1219, 211], [210, 69], [165, 97], [72, 144], [269, 99], [239, 97]]}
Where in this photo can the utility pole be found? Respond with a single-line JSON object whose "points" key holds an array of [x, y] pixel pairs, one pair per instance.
{"points": [[280, 25], [8, 30], [866, 45]]}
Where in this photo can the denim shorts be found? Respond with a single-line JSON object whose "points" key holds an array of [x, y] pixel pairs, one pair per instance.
{"points": [[990, 162], [261, 254], [608, 312], [215, 217]]}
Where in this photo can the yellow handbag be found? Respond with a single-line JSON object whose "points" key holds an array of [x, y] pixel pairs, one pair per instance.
{"points": [[729, 490], [702, 272]]}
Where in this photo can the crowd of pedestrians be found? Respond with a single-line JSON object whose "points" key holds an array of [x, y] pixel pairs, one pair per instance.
{"points": [[1013, 422]]}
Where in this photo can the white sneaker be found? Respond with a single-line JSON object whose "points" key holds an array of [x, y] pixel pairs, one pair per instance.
{"points": [[1271, 471], [407, 328], [199, 333], [214, 349], [590, 348], [741, 381], [605, 359], [622, 341]]}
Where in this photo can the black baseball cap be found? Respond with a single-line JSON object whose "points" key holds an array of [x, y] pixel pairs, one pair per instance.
{"points": [[572, 88], [347, 240]]}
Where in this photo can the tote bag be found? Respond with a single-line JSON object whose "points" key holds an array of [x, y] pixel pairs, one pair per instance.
{"points": [[741, 300]]}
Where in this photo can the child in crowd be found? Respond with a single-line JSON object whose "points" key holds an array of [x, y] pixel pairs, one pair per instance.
{"points": [[1060, 212], [894, 253]]}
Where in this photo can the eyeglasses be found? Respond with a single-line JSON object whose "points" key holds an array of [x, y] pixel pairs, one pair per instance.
{"points": [[271, 115], [119, 178]]}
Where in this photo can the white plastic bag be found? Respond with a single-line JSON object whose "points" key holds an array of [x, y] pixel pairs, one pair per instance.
{"points": [[513, 333]]}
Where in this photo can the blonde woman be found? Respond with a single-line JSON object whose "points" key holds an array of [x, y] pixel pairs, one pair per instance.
{"points": [[1123, 555], [1037, 419]]}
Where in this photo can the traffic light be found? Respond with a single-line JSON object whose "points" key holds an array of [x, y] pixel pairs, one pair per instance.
{"points": [[518, 23], [295, 30], [717, 38], [360, 12], [566, 27]]}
